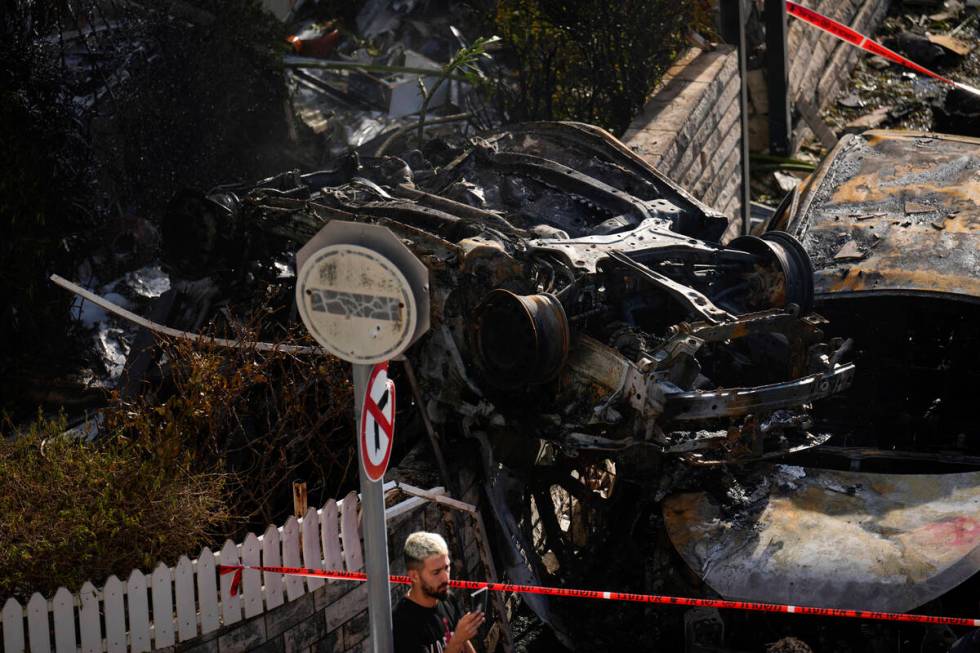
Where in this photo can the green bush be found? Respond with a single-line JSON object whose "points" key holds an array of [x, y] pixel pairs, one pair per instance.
{"points": [[587, 60], [72, 511]]}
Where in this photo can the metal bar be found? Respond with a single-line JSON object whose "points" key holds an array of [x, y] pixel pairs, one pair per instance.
{"points": [[777, 79], [743, 108], [174, 333], [375, 535]]}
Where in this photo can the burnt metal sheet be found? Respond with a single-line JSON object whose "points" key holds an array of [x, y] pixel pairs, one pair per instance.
{"points": [[895, 213], [835, 539]]}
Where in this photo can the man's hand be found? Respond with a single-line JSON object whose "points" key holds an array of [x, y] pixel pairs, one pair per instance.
{"points": [[466, 630]]}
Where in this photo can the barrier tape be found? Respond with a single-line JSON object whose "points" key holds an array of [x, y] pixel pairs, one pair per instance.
{"points": [[610, 596], [848, 35]]}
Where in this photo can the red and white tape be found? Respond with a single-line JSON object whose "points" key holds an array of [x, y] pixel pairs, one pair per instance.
{"points": [[848, 35], [611, 596]]}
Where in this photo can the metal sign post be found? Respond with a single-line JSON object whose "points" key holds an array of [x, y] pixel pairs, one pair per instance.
{"points": [[364, 297], [375, 534]]}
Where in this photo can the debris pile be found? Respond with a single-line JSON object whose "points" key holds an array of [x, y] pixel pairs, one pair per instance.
{"points": [[884, 95]]}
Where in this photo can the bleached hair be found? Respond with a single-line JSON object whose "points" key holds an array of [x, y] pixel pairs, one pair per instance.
{"points": [[421, 545]]}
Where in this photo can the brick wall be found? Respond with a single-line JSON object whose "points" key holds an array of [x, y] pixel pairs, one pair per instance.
{"points": [[820, 64], [689, 129]]}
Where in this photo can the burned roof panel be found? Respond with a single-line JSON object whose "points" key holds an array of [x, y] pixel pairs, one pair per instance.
{"points": [[895, 213]]}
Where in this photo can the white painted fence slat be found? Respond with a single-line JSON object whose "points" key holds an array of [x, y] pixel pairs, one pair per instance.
{"points": [[272, 558], [291, 558], [184, 598], [163, 607], [207, 591], [38, 630], [330, 531], [63, 607], [325, 539], [114, 605], [350, 532], [231, 606], [252, 580], [311, 546], [138, 602], [13, 626], [89, 622]]}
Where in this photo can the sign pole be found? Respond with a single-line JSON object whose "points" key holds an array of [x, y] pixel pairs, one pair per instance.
{"points": [[375, 533], [364, 297]]}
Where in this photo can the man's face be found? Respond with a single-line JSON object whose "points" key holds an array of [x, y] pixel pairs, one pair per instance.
{"points": [[433, 578]]}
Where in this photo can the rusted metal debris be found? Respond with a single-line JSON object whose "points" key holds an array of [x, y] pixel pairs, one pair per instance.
{"points": [[577, 281]]}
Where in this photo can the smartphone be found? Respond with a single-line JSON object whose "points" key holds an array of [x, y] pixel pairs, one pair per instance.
{"points": [[479, 599]]}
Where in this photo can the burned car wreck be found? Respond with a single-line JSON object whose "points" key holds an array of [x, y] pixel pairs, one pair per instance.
{"points": [[591, 290], [594, 327]]}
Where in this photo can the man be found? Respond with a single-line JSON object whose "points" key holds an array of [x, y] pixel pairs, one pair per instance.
{"points": [[427, 619]]}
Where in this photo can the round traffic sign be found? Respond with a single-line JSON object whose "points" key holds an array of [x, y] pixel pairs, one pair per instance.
{"points": [[377, 432], [356, 303]]}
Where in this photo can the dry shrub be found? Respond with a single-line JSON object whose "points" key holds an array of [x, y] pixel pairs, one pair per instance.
{"points": [[207, 456], [72, 511], [266, 417]]}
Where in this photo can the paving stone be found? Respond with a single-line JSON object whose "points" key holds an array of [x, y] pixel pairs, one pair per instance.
{"points": [[197, 646], [274, 645], [356, 630], [723, 177], [332, 643]]}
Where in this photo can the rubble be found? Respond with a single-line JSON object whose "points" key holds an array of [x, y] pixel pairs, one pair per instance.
{"points": [[943, 41]]}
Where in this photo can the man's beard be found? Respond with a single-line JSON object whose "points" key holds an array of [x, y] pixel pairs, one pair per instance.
{"points": [[440, 592]]}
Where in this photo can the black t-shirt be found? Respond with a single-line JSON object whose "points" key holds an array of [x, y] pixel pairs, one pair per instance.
{"points": [[424, 630]]}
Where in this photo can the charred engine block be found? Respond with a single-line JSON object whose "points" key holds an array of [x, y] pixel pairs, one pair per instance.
{"points": [[579, 298]]}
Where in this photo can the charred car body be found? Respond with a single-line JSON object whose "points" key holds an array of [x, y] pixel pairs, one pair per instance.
{"points": [[594, 325], [570, 277]]}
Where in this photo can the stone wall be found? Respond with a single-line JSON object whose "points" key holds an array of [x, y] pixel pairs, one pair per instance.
{"points": [[690, 130]]}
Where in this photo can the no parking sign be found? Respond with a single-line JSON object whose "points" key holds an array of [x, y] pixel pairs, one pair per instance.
{"points": [[364, 297], [377, 431]]}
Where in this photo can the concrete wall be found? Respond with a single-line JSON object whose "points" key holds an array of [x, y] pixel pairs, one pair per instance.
{"points": [[689, 128]]}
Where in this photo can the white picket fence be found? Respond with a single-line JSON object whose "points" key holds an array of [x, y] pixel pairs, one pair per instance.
{"points": [[176, 604]]}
